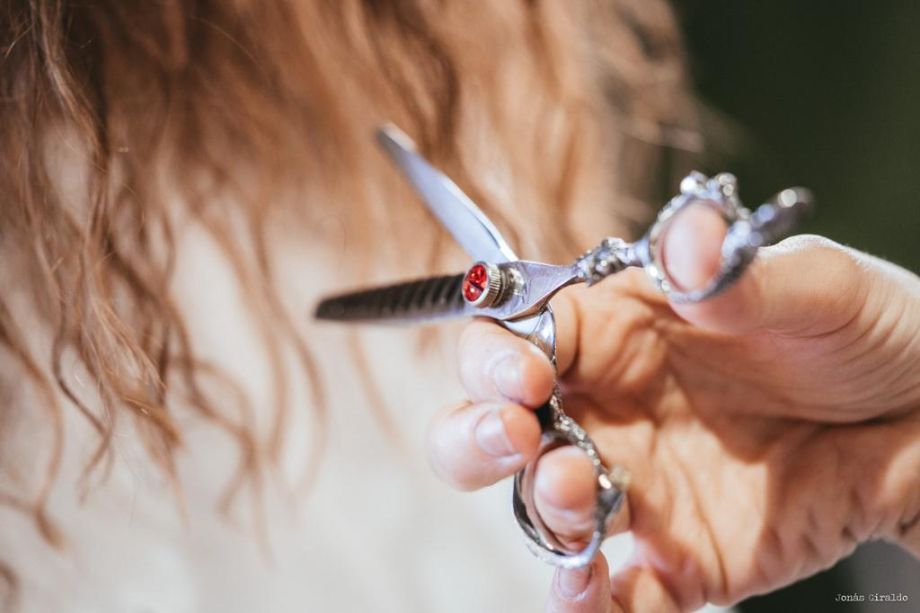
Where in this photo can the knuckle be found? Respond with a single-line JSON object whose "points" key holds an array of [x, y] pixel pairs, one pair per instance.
{"points": [[843, 286], [840, 266], [838, 262], [475, 336], [837, 283], [807, 242]]}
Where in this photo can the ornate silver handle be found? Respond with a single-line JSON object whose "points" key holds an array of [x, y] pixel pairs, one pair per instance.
{"points": [[560, 429], [746, 232]]}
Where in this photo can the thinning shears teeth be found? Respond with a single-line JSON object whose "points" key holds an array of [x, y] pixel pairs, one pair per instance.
{"points": [[411, 301], [524, 288]]}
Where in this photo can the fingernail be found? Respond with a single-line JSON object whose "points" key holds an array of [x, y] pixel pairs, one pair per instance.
{"points": [[572, 583], [491, 435], [692, 246], [507, 376]]}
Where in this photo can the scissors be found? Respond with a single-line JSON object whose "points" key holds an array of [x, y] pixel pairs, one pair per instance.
{"points": [[515, 294]]}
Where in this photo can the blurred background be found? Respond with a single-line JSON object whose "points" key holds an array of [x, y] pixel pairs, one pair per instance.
{"points": [[824, 95]]}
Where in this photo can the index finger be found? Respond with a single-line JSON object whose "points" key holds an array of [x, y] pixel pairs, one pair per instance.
{"points": [[497, 365]]}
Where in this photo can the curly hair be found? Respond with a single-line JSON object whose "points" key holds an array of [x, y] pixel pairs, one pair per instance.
{"points": [[123, 122]]}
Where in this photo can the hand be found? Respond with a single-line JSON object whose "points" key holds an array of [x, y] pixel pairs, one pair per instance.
{"points": [[768, 430]]}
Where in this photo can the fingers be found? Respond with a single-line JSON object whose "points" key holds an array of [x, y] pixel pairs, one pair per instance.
{"points": [[582, 590], [475, 445], [497, 365], [590, 590], [805, 285], [634, 589]]}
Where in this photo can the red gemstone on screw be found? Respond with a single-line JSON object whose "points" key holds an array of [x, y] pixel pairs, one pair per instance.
{"points": [[475, 282]]}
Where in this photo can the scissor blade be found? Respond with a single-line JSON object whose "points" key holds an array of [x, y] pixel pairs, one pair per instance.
{"points": [[412, 301], [460, 215]]}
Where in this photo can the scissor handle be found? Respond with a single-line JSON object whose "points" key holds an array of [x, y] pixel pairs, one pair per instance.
{"points": [[609, 498], [559, 429], [746, 232]]}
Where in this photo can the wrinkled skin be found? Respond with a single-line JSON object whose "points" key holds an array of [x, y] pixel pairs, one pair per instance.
{"points": [[768, 430]]}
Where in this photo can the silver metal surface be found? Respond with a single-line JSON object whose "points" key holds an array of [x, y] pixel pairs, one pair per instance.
{"points": [[559, 429], [522, 304], [458, 214], [532, 286]]}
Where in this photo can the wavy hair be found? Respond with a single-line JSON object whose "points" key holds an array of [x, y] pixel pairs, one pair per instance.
{"points": [[122, 122]]}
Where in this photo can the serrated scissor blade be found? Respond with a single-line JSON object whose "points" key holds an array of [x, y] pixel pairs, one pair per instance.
{"points": [[412, 301], [467, 224]]}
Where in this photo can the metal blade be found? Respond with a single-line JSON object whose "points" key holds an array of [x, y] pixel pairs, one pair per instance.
{"points": [[412, 301], [460, 215]]}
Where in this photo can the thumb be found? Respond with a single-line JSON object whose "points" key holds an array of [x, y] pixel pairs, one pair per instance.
{"points": [[582, 590], [805, 285]]}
